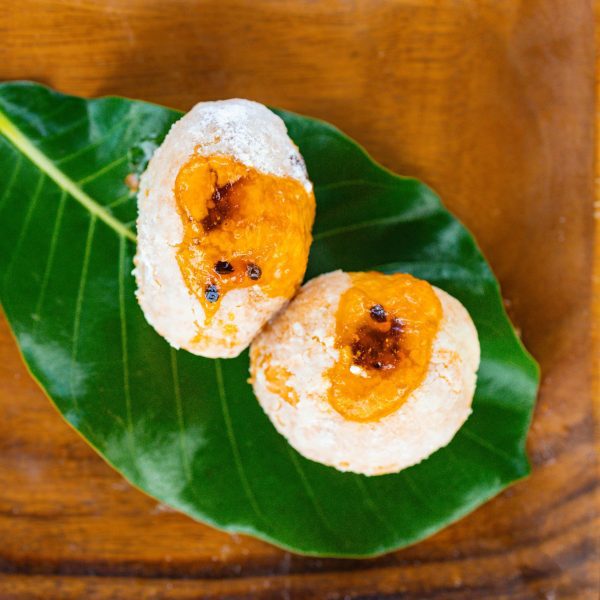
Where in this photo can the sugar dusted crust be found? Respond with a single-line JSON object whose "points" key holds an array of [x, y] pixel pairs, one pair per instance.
{"points": [[301, 338], [250, 133]]}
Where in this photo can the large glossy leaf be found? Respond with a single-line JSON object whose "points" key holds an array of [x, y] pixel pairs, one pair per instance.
{"points": [[188, 430]]}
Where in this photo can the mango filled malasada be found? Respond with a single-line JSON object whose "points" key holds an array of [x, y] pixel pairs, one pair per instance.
{"points": [[224, 227], [367, 372]]}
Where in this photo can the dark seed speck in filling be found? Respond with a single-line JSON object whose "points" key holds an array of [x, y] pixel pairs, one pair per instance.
{"points": [[222, 267], [378, 313], [254, 271], [211, 293]]}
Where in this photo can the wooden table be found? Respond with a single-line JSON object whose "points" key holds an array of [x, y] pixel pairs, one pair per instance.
{"points": [[492, 103]]}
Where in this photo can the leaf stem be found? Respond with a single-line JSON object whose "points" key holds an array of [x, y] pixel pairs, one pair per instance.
{"points": [[37, 157]]}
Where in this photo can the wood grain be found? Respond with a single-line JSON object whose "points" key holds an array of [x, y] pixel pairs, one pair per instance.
{"points": [[492, 103]]}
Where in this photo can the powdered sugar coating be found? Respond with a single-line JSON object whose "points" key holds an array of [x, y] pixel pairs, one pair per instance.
{"points": [[301, 339], [250, 133]]}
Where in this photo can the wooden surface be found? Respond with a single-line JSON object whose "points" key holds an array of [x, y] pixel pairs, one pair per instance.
{"points": [[489, 101]]}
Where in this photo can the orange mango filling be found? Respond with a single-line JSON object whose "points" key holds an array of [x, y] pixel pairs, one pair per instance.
{"points": [[385, 328], [241, 228], [277, 382]]}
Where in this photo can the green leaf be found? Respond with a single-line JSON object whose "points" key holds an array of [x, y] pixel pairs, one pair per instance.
{"points": [[188, 430]]}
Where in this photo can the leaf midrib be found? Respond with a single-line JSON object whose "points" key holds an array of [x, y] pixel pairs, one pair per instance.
{"points": [[14, 135]]}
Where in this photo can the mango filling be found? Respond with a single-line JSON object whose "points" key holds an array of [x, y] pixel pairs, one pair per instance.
{"points": [[385, 328], [277, 378], [241, 228]]}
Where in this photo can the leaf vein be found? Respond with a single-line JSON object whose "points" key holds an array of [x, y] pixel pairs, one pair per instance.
{"points": [[233, 442], [310, 492], [78, 308], [370, 504], [102, 171], [391, 220], [417, 492], [485, 444], [64, 130], [120, 200], [49, 168], [180, 420], [24, 227], [95, 144], [51, 253], [11, 182], [351, 182], [124, 351]]}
